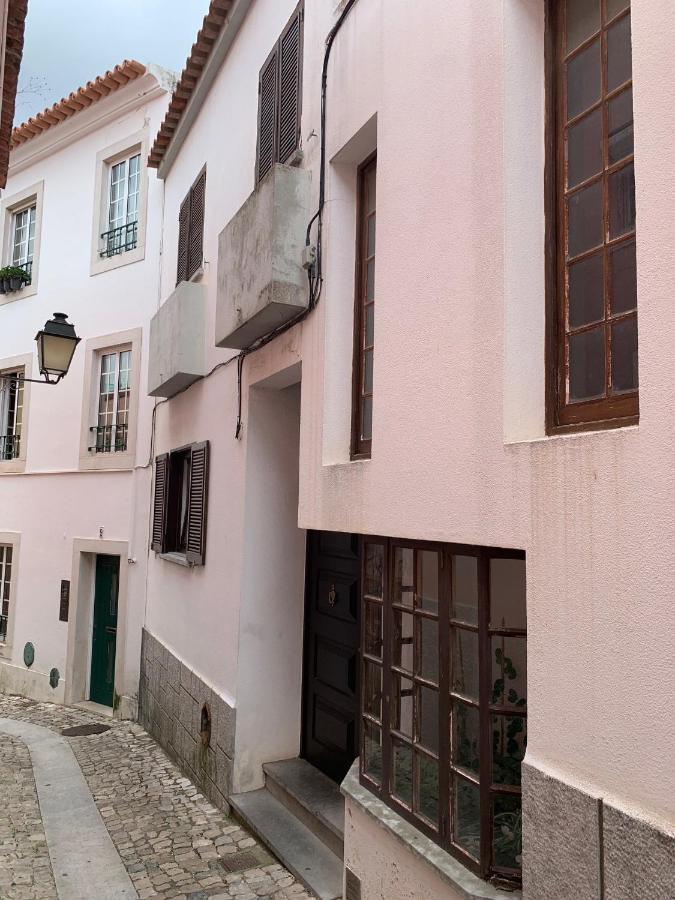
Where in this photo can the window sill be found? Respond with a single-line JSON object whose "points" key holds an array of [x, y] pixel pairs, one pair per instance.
{"points": [[13, 466], [575, 434], [444, 866], [122, 459], [176, 558], [101, 264], [29, 291], [5, 651]]}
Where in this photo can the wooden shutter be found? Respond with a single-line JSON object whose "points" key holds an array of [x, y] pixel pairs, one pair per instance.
{"points": [[196, 241], [267, 116], [290, 87], [183, 239], [199, 491], [160, 501]]}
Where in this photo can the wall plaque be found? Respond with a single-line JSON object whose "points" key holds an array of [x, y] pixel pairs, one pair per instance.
{"points": [[65, 601]]}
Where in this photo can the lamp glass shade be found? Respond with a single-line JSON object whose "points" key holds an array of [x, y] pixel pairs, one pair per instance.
{"points": [[55, 353]]}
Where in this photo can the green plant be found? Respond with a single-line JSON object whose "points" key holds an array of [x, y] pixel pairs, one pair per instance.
{"points": [[14, 272]]}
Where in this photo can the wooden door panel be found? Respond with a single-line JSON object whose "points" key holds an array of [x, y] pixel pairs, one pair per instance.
{"points": [[104, 637]]}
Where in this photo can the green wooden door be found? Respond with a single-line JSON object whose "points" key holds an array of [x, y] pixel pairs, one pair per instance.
{"points": [[105, 630]]}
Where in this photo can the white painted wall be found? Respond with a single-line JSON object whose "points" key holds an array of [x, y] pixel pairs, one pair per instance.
{"points": [[55, 500]]}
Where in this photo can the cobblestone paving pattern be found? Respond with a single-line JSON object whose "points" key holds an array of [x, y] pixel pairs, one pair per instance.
{"points": [[173, 842], [25, 869]]}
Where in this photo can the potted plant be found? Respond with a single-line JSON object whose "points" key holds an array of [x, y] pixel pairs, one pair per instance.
{"points": [[13, 278]]}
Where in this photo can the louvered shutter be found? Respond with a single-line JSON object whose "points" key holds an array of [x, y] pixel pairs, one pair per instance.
{"points": [[267, 116], [199, 490], [196, 242], [160, 500], [290, 88], [183, 240]]}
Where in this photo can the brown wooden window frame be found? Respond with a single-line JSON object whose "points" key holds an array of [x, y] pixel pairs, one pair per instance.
{"points": [[442, 831], [280, 99], [180, 510], [361, 447], [191, 230], [613, 410]]}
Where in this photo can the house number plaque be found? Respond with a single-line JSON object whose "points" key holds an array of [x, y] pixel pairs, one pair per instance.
{"points": [[65, 601]]}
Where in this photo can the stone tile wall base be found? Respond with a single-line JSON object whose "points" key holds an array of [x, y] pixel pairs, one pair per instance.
{"points": [[171, 698], [573, 842]]}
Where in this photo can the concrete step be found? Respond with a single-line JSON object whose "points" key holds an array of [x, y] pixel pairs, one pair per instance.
{"points": [[312, 797], [291, 841]]}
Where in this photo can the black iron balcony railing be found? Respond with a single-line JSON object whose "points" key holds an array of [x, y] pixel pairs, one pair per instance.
{"points": [[119, 240], [10, 446], [3, 628], [108, 438]]}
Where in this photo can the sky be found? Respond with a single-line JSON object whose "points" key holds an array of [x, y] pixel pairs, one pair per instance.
{"points": [[70, 42]]}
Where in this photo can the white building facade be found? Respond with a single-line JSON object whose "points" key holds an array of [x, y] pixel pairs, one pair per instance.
{"points": [[81, 218]]}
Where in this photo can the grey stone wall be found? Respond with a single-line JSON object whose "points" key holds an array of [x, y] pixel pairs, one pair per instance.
{"points": [[171, 698], [577, 847]]}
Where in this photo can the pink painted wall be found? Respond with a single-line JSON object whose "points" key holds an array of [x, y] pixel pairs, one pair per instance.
{"points": [[459, 449]]}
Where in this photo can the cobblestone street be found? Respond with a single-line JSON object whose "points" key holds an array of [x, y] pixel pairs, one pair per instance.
{"points": [[173, 842]]}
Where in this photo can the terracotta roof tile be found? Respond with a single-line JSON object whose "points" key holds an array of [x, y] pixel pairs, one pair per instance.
{"points": [[211, 28], [16, 20], [83, 97]]}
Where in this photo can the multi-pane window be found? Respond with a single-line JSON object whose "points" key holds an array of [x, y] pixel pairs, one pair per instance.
{"points": [[596, 342], [11, 413], [444, 688], [123, 200], [114, 395], [180, 501], [364, 313], [5, 582], [280, 98], [23, 238]]}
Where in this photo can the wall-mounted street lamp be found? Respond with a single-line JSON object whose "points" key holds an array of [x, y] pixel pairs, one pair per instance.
{"points": [[56, 346]]}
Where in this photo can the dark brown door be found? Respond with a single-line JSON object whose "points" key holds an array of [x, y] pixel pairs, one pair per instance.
{"points": [[331, 689]]}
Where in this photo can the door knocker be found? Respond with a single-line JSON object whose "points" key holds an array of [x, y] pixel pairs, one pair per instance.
{"points": [[331, 596]]}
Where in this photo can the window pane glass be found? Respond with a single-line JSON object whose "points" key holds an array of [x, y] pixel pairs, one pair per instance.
{"points": [[367, 418], [585, 219], [403, 641], [368, 372], [583, 80], [427, 774], [465, 589], [584, 149], [624, 278], [427, 636], [614, 7], [404, 576], [621, 126], [586, 291], [509, 741], [370, 326], [370, 280], [619, 55], [465, 736], [370, 239], [427, 581], [373, 569], [507, 831], [372, 751], [466, 819], [622, 201], [373, 629], [625, 356], [583, 20], [587, 365], [372, 689], [371, 189], [402, 705], [402, 781], [465, 662], [507, 593], [427, 713], [509, 672]]}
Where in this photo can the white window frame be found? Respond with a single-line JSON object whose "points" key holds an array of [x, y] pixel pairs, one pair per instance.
{"points": [[95, 350], [135, 145], [23, 364], [124, 217], [10, 539], [13, 206]]}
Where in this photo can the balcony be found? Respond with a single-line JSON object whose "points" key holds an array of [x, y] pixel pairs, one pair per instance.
{"points": [[177, 333], [108, 438], [10, 446], [261, 282], [119, 240]]}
